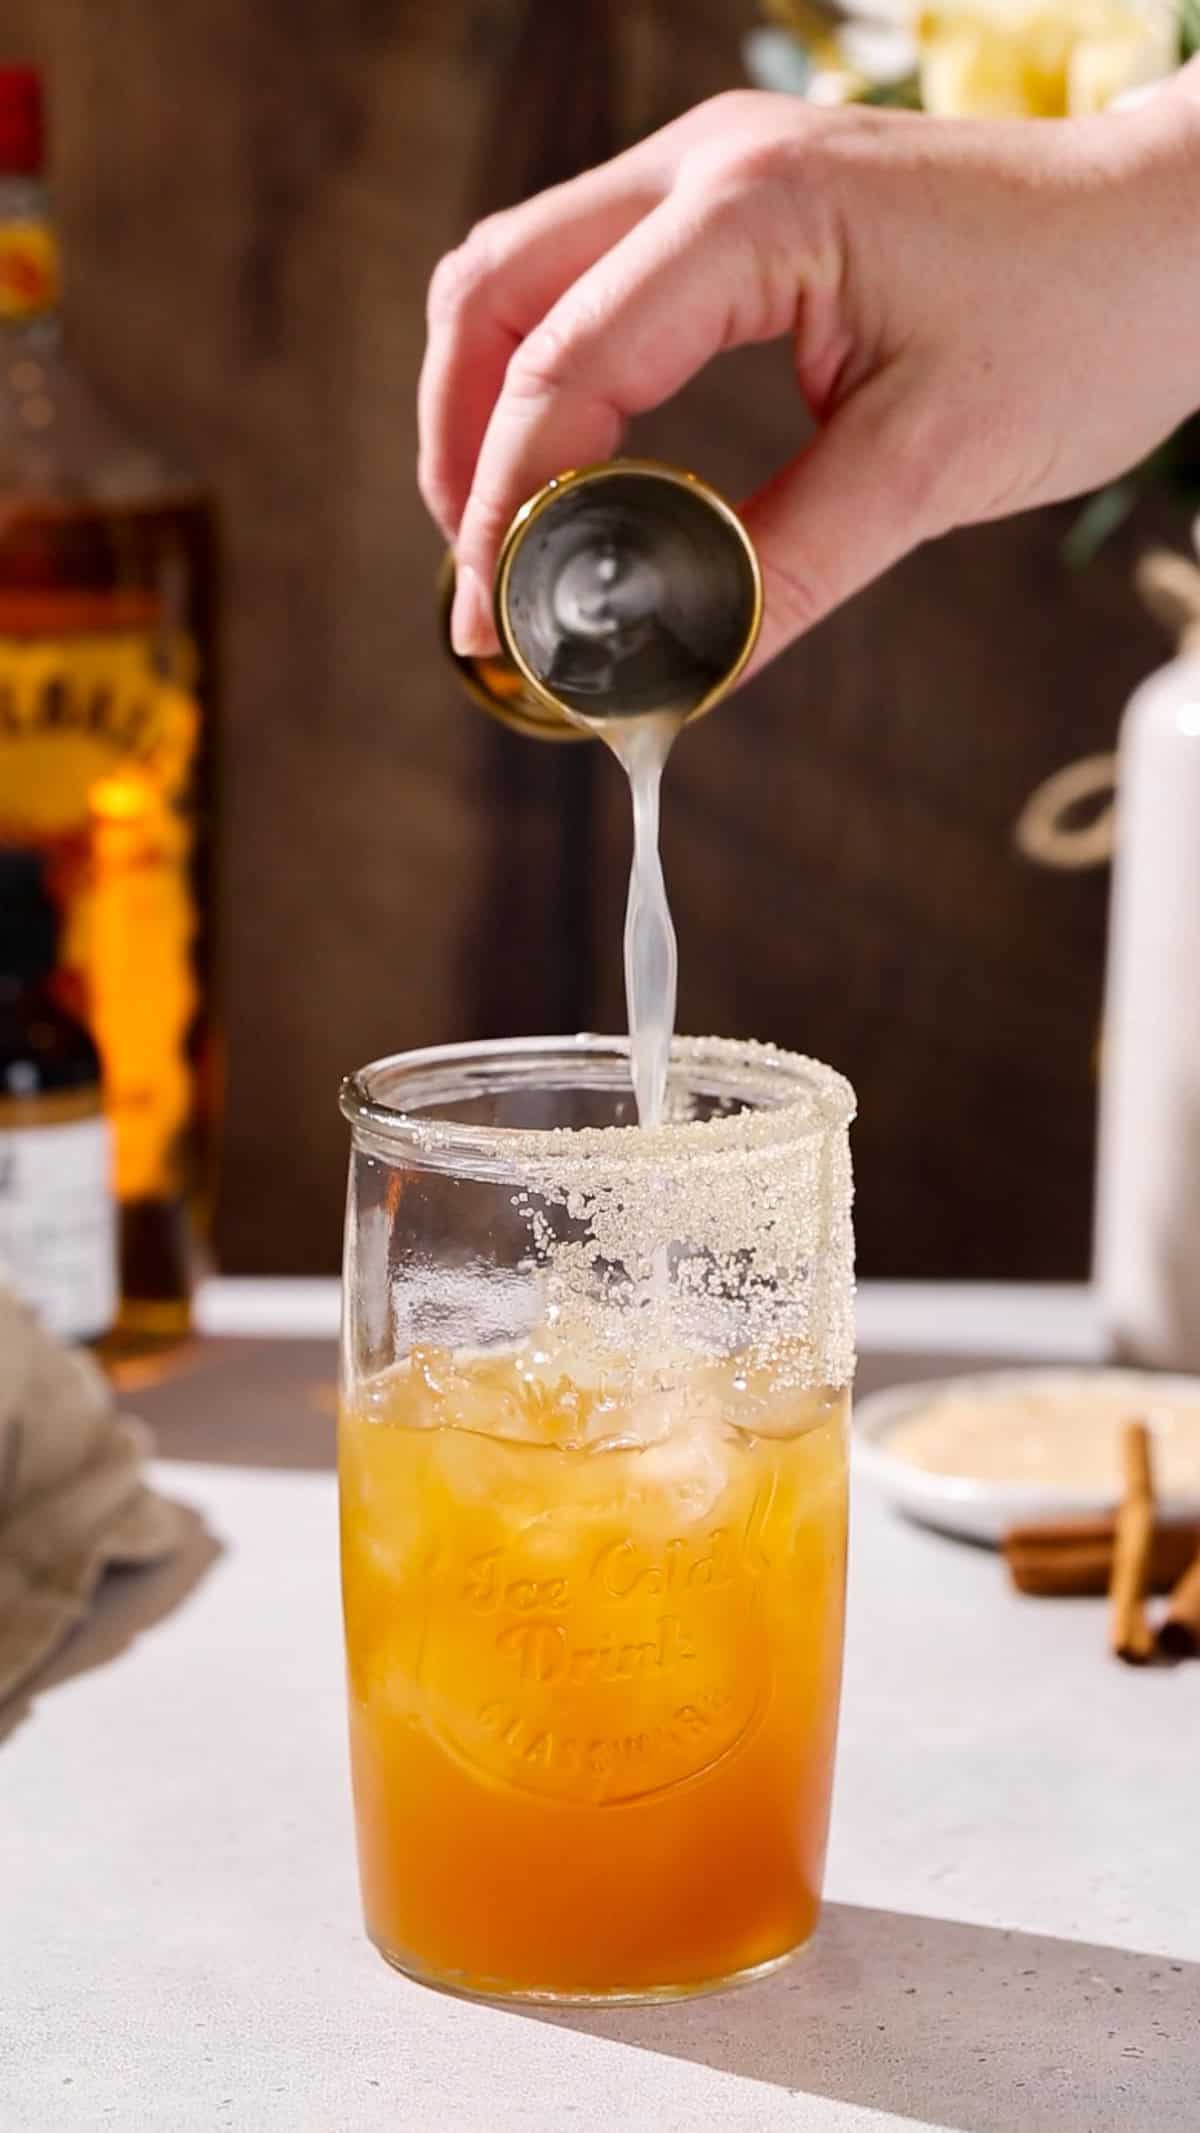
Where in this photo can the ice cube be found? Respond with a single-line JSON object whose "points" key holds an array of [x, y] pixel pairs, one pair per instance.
{"points": [[692, 1466]]}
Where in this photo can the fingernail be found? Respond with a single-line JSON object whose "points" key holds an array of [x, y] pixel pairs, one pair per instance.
{"points": [[472, 631]]}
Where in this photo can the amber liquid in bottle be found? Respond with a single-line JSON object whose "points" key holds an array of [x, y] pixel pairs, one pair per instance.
{"points": [[106, 676]]}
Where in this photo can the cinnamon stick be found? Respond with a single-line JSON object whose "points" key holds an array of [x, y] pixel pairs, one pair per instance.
{"points": [[1072, 1557], [1129, 1627], [1179, 1630]]}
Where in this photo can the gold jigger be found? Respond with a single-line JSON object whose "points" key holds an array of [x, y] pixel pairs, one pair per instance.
{"points": [[625, 590]]}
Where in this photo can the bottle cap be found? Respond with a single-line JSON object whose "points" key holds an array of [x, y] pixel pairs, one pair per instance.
{"points": [[22, 122], [28, 918], [629, 589]]}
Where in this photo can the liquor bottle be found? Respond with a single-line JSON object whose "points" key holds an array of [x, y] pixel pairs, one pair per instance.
{"points": [[57, 1217], [106, 585]]}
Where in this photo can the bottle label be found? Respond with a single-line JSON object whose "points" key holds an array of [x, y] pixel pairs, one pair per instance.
{"points": [[58, 1236], [29, 270], [98, 735], [79, 702]]}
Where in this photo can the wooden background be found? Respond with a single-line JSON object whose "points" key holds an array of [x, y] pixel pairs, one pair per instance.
{"points": [[253, 194]]}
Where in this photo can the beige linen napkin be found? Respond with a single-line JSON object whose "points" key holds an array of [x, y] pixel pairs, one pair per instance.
{"points": [[72, 1497]]}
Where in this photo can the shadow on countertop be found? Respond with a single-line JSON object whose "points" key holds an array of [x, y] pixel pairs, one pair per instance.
{"points": [[969, 2028], [128, 1600], [241, 1402]]}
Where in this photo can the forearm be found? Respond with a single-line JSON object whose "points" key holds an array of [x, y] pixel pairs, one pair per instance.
{"points": [[1157, 222], [1187, 81], [1177, 105], [1184, 94]]}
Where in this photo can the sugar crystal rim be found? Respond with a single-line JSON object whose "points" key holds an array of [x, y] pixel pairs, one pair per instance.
{"points": [[790, 1099]]}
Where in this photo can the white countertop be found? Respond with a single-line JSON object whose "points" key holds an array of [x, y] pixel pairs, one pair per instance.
{"points": [[1028, 1322], [1012, 1939]]}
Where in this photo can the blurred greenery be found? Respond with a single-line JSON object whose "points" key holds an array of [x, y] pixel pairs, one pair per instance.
{"points": [[1175, 468], [897, 95]]}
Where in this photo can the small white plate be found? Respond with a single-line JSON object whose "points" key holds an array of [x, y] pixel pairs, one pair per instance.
{"points": [[984, 1510]]}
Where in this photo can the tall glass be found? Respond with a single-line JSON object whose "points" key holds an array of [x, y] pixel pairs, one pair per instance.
{"points": [[592, 1457]]}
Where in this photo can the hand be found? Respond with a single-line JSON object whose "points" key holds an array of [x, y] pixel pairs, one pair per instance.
{"points": [[984, 317]]}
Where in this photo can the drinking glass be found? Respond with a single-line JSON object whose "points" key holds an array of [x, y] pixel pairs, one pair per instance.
{"points": [[595, 1384]]}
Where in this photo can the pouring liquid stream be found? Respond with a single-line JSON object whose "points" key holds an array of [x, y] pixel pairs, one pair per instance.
{"points": [[611, 643], [641, 746]]}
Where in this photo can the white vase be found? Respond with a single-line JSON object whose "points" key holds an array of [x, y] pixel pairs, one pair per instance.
{"points": [[1147, 1237]]}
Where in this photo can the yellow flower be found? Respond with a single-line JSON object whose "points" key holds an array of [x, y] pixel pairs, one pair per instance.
{"points": [[1041, 58], [834, 51], [968, 58]]}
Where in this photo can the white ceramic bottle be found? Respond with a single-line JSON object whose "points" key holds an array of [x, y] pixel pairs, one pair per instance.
{"points": [[1148, 1171]]}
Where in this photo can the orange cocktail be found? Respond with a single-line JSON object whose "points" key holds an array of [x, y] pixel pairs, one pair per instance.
{"points": [[594, 1650], [593, 1484]]}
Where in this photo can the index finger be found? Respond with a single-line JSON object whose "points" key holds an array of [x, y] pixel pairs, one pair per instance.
{"points": [[489, 294], [680, 287], [486, 297]]}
